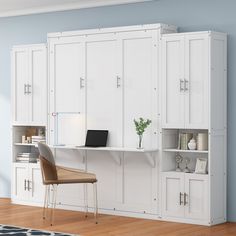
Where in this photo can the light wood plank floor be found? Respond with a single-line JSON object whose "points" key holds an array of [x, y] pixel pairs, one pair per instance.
{"points": [[74, 222]]}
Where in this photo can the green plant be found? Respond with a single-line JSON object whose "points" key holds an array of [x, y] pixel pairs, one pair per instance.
{"points": [[141, 125]]}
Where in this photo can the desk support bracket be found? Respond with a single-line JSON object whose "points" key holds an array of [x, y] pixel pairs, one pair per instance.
{"points": [[116, 157], [151, 159]]}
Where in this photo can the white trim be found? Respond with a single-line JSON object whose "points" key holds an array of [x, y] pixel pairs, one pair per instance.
{"points": [[65, 7], [111, 30]]}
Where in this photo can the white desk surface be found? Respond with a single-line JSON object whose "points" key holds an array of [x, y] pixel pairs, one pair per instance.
{"points": [[111, 149]]}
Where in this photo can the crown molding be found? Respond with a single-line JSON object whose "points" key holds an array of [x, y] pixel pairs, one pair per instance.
{"points": [[66, 7]]}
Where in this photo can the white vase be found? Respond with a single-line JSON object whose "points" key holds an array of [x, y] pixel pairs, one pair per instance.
{"points": [[192, 145]]}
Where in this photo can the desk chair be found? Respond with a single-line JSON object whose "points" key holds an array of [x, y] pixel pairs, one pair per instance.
{"points": [[54, 175]]}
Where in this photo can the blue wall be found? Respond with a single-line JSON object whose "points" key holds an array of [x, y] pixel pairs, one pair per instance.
{"points": [[189, 15]]}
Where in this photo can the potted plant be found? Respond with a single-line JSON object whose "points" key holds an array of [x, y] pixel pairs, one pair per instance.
{"points": [[140, 126]]}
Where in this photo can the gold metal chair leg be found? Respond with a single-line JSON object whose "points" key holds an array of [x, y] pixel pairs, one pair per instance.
{"points": [[45, 201], [54, 197], [95, 202], [86, 200]]}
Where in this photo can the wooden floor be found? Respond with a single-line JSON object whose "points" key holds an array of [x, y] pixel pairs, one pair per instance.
{"points": [[75, 223]]}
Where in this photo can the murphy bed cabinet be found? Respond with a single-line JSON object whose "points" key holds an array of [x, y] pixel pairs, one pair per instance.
{"points": [[111, 77], [194, 100], [103, 79]]}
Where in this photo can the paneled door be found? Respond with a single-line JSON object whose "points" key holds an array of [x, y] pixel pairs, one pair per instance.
{"points": [[20, 75], [173, 194], [67, 91], [104, 87], [196, 80], [139, 69], [19, 186], [196, 190], [172, 75], [36, 187]]}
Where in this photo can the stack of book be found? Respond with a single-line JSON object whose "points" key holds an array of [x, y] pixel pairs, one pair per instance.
{"points": [[36, 139], [26, 157]]}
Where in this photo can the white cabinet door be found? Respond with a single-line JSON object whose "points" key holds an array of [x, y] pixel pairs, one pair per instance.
{"points": [[20, 79], [36, 187], [19, 183], [173, 81], [172, 194], [196, 188], [196, 79], [29, 84], [139, 70], [38, 85], [104, 91], [67, 91]]}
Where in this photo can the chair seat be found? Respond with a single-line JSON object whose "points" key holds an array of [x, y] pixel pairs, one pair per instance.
{"points": [[71, 176]]}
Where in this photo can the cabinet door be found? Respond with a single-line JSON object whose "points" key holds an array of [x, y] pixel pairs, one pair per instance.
{"points": [[172, 61], [172, 194], [19, 185], [104, 91], [35, 184], [20, 79], [196, 81], [38, 85], [196, 188], [67, 91], [139, 81]]}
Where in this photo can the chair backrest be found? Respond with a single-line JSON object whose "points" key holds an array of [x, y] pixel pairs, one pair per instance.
{"points": [[47, 163]]}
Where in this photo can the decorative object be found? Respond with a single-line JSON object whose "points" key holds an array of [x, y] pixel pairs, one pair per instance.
{"points": [[192, 145], [202, 141], [201, 166], [140, 126], [23, 140], [184, 139], [178, 159], [187, 161], [15, 230]]}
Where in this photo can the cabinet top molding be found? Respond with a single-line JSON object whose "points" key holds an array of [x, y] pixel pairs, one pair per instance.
{"points": [[196, 33], [113, 29]]}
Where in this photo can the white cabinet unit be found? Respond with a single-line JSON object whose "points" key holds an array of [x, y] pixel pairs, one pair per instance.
{"points": [[185, 196], [194, 92], [29, 77], [27, 183], [185, 80]]}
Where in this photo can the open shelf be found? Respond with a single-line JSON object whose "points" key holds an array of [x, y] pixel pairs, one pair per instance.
{"points": [[187, 151], [26, 144]]}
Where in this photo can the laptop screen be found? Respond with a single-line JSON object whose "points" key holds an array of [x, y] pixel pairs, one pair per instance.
{"points": [[96, 138]]}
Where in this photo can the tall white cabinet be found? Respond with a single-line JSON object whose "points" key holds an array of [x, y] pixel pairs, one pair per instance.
{"points": [[29, 110], [194, 100]]}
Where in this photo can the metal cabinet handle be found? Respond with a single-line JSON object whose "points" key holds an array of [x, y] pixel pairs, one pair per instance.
{"points": [[81, 83], [181, 85], [28, 185], [25, 88], [28, 89], [118, 79], [25, 185], [185, 199], [180, 198], [186, 85]]}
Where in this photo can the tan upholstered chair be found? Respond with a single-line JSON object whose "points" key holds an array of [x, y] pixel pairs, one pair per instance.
{"points": [[54, 175]]}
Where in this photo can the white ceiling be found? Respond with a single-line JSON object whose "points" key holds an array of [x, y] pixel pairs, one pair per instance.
{"points": [[25, 7]]}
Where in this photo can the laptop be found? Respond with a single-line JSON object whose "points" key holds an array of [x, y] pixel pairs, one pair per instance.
{"points": [[96, 138]]}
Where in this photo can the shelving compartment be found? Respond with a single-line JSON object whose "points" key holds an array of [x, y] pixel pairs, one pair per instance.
{"points": [[171, 149], [28, 151]]}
